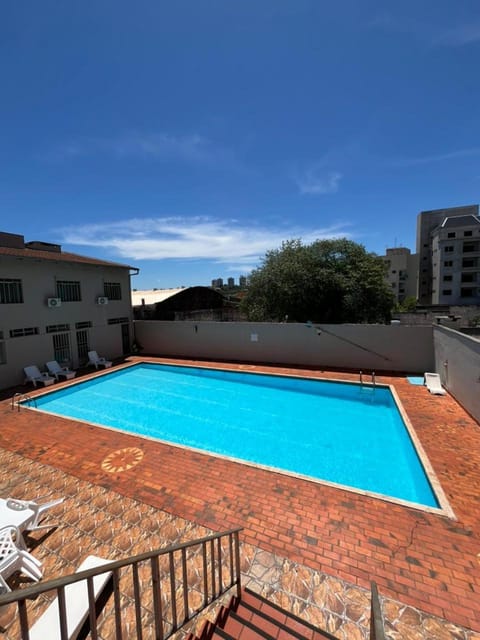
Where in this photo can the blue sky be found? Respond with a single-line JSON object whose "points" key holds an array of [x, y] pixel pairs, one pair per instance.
{"points": [[187, 138]]}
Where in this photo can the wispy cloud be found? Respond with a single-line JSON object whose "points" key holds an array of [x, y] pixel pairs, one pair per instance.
{"points": [[439, 157], [315, 180], [177, 238], [192, 148], [459, 35]]}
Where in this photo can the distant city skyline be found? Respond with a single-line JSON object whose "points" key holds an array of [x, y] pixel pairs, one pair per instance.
{"points": [[188, 139]]}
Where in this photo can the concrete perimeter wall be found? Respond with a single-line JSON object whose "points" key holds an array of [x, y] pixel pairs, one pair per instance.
{"points": [[347, 346], [457, 360]]}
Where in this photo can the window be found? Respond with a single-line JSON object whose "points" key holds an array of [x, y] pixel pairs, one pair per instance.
{"points": [[469, 262], [82, 345], [54, 328], [11, 291], [469, 277], [449, 249], [447, 278], [451, 234], [468, 247], [112, 290], [447, 292], [448, 263], [61, 347], [467, 292], [394, 271], [467, 233], [3, 353], [124, 320], [25, 331], [68, 291], [83, 325]]}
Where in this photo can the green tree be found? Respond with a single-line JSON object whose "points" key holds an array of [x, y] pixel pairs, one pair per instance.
{"points": [[409, 304], [326, 281]]}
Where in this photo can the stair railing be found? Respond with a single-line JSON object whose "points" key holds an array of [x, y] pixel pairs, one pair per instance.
{"points": [[377, 631], [163, 589]]}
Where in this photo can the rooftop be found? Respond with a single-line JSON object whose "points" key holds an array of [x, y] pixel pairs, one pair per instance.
{"points": [[14, 245]]}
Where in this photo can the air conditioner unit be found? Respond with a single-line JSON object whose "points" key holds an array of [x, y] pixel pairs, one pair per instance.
{"points": [[54, 302], [102, 300]]}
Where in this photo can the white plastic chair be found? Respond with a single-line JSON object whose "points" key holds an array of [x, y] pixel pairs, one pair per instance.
{"points": [[38, 510], [97, 361], [60, 372], [433, 383], [32, 374], [15, 557]]}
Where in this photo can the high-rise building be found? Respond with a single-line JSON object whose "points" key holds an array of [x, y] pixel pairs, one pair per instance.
{"points": [[402, 272], [448, 248]]}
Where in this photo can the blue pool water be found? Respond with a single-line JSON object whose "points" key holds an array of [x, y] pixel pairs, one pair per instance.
{"points": [[332, 431]]}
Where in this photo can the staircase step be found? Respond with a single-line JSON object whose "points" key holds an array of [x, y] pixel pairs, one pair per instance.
{"points": [[244, 629], [221, 634], [273, 614]]}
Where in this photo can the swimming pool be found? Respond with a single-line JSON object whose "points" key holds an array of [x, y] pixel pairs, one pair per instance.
{"points": [[341, 433]]}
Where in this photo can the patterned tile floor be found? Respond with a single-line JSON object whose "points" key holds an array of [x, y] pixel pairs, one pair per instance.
{"points": [[311, 547]]}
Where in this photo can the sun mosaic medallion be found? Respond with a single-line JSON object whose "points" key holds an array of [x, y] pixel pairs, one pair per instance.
{"points": [[122, 460]]}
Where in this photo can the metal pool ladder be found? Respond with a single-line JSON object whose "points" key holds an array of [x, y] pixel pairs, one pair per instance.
{"points": [[17, 398], [371, 387]]}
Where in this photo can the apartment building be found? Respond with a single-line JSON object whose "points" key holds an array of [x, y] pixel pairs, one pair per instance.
{"points": [[455, 261], [401, 272], [448, 241], [59, 305]]}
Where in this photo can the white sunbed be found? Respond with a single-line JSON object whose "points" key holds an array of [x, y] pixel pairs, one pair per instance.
{"points": [[60, 372], [32, 374], [98, 361], [433, 384], [76, 603]]}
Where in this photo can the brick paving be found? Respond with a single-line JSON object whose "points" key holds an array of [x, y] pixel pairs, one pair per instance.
{"points": [[427, 561]]}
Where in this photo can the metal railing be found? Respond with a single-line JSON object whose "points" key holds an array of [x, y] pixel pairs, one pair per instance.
{"points": [[17, 399], [162, 589], [377, 631]]}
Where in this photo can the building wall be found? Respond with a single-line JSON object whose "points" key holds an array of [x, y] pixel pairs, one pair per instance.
{"points": [[402, 272], [362, 347], [457, 361], [456, 265], [427, 221], [39, 283]]}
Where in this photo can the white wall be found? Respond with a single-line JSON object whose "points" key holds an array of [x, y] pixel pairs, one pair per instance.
{"points": [[457, 360], [365, 347]]}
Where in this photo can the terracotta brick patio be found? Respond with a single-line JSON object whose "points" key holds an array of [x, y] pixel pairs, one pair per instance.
{"points": [[428, 561]]}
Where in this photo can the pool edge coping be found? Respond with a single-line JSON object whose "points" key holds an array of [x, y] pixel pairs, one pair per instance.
{"points": [[444, 510]]}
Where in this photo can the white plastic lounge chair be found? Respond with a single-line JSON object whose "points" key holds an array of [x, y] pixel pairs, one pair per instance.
{"points": [[15, 557], [432, 381], [38, 509], [60, 372], [16, 513], [32, 374], [76, 605], [97, 361]]}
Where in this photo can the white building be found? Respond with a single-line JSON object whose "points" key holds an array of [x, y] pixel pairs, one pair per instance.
{"points": [[58, 305], [456, 261], [436, 245]]}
